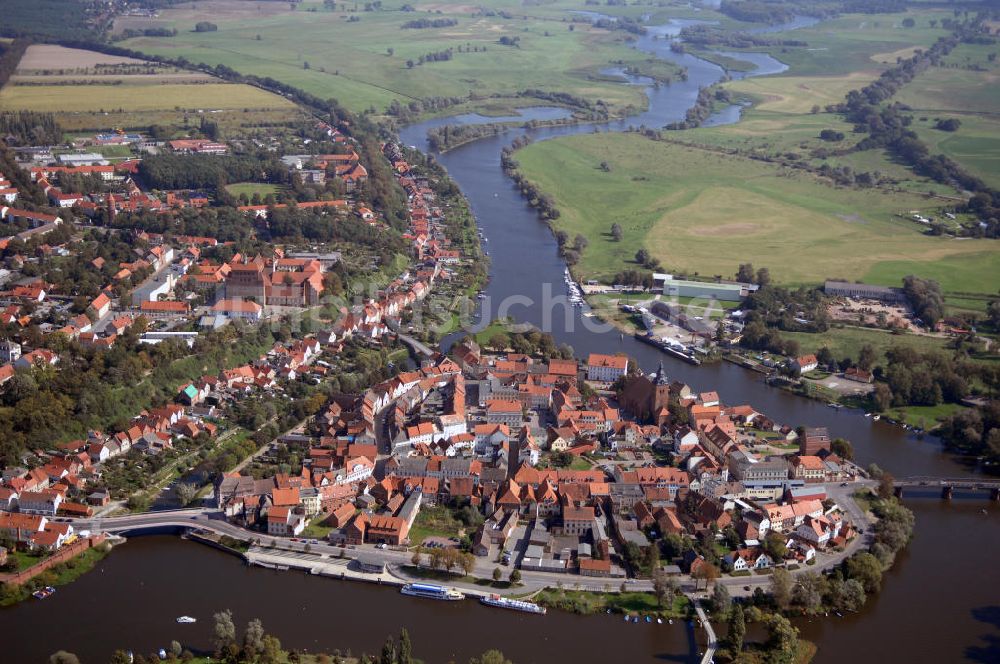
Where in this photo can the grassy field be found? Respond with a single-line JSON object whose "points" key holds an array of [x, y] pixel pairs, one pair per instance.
{"points": [[859, 42], [798, 94], [976, 144], [847, 341], [940, 89], [966, 88], [346, 54], [703, 213], [781, 122], [924, 417], [251, 188]]}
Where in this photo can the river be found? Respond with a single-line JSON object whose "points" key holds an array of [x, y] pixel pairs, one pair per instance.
{"points": [[939, 604]]}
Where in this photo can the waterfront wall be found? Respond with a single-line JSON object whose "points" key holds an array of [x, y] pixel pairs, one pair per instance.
{"points": [[60, 556]]}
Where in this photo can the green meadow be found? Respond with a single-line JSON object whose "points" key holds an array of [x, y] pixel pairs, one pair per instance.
{"points": [[859, 42], [361, 58], [704, 213]]}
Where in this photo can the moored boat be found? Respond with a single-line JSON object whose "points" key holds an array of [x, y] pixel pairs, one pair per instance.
{"points": [[431, 591], [514, 604], [186, 620]]}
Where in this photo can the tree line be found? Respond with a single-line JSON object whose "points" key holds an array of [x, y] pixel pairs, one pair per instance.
{"points": [[424, 23], [10, 56]]}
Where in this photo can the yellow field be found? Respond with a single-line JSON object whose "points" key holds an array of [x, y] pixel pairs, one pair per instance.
{"points": [[798, 94], [208, 96], [891, 57]]}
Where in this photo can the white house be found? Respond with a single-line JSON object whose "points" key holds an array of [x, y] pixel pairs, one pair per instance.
{"points": [[282, 521], [239, 309], [40, 502], [606, 368]]}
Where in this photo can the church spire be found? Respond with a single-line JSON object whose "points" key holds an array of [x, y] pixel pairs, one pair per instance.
{"points": [[661, 375]]}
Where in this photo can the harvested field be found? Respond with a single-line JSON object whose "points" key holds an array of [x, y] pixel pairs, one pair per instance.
{"points": [[51, 56]]}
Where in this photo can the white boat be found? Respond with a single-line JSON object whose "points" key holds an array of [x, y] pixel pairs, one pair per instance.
{"points": [[187, 620], [876, 418], [431, 592], [514, 604]]}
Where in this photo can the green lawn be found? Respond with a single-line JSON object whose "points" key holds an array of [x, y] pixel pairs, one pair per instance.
{"points": [[595, 602], [345, 54], [925, 417], [437, 521], [316, 530], [704, 213], [251, 188]]}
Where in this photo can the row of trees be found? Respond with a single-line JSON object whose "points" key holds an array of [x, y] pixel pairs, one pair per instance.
{"points": [[424, 23], [703, 106], [448, 559], [887, 125]]}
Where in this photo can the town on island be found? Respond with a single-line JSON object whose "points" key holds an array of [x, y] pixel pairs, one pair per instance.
{"points": [[242, 310]]}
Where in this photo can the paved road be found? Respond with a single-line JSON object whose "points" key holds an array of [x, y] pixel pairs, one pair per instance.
{"points": [[211, 519]]}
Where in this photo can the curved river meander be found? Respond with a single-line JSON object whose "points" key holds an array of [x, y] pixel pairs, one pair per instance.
{"points": [[939, 604]]}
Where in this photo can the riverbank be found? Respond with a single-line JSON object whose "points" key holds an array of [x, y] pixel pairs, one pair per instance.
{"points": [[56, 570]]}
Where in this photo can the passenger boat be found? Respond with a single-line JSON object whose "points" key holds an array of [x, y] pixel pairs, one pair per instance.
{"points": [[186, 620], [42, 593], [431, 592], [515, 604]]}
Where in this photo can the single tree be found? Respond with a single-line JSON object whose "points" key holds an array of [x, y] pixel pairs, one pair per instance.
{"points": [[224, 632], [737, 629], [63, 657], [662, 588], [404, 654], [253, 639], [781, 587]]}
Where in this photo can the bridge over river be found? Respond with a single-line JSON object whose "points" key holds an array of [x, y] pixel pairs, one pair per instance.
{"points": [[947, 485]]}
